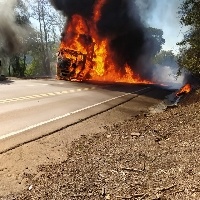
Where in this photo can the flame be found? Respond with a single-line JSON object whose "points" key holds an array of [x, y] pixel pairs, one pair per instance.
{"points": [[185, 89], [81, 35], [97, 9]]}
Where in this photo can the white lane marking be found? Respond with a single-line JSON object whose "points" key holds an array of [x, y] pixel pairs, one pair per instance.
{"points": [[44, 95], [65, 92], [58, 93], [65, 115], [42, 84], [51, 94]]}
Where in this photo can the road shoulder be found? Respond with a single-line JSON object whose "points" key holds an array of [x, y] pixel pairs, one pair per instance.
{"points": [[22, 162]]}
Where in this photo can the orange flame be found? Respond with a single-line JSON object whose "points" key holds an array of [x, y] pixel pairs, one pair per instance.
{"points": [[185, 89], [97, 9], [81, 35]]}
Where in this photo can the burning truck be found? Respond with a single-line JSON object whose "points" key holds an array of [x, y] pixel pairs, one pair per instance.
{"points": [[70, 64], [105, 40], [101, 44], [83, 55]]}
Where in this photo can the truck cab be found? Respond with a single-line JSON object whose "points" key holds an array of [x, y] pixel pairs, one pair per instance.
{"points": [[70, 64]]}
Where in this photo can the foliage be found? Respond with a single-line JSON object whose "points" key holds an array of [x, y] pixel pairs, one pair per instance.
{"points": [[18, 66], [165, 58], [18, 60], [156, 37], [21, 13], [37, 27], [48, 28], [34, 69], [190, 46]]}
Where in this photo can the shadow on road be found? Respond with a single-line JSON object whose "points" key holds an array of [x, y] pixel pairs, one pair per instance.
{"points": [[6, 82], [154, 91]]}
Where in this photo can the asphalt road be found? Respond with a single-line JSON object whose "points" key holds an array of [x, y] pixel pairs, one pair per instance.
{"points": [[33, 108], [30, 103]]}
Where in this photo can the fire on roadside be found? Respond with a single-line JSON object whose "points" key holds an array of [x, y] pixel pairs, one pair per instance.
{"points": [[100, 64], [184, 90]]}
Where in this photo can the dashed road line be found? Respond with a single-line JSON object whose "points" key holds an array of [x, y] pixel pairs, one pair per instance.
{"points": [[49, 94], [32, 85], [45, 84], [67, 114]]}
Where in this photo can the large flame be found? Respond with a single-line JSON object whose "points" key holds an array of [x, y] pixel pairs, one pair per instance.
{"points": [[81, 35]]}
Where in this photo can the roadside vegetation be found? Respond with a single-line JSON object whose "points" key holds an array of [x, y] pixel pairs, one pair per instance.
{"points": [[189, 57]]}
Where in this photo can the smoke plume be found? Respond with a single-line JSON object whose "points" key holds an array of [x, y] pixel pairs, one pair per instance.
{"points": [[9, 30], [71, 7], [163, 15], [124, 23], [121, 23]]}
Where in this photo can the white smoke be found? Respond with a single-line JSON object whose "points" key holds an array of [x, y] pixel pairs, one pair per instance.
{"points": [[11, 34], [167, 76], [163, 14]]}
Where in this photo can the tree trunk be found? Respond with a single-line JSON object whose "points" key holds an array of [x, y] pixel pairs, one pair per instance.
{"points": [[23, 68], [47, 60], [41, 38]]}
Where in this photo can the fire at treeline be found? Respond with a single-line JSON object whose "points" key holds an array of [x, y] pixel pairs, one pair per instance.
{"points": [[103, 40]]}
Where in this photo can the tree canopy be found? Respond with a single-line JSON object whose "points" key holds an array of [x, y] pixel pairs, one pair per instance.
{"points": [[190, 46], [166, 58], [157, 39]]}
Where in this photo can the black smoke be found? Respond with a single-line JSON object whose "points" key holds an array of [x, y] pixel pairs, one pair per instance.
{"points": [[120, 22], [9, 37], [126, 31], [71, 7]]}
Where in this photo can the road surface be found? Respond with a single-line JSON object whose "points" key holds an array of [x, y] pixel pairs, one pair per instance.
{"points": [[33, 108]]}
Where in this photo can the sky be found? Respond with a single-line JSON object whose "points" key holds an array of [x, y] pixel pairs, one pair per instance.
{"points": [[164, 16]]}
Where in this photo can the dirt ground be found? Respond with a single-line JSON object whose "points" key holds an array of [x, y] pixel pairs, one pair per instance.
{"points": [[143, 157]]}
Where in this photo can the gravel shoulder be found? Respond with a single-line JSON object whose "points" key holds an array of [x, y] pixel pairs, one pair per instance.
{"points": [[139, 157]]}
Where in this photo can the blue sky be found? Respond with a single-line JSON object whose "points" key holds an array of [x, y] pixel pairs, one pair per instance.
{"points": [[164, 16]]}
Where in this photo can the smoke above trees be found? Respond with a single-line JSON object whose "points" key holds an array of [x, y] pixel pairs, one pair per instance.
{"points": [[121, 23], [9, 29]]}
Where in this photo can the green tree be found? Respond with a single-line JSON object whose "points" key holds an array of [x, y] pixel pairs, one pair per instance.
{"points": [[165, 58], [189, 57], [18, 60], [156, 37], [49, 25]]}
